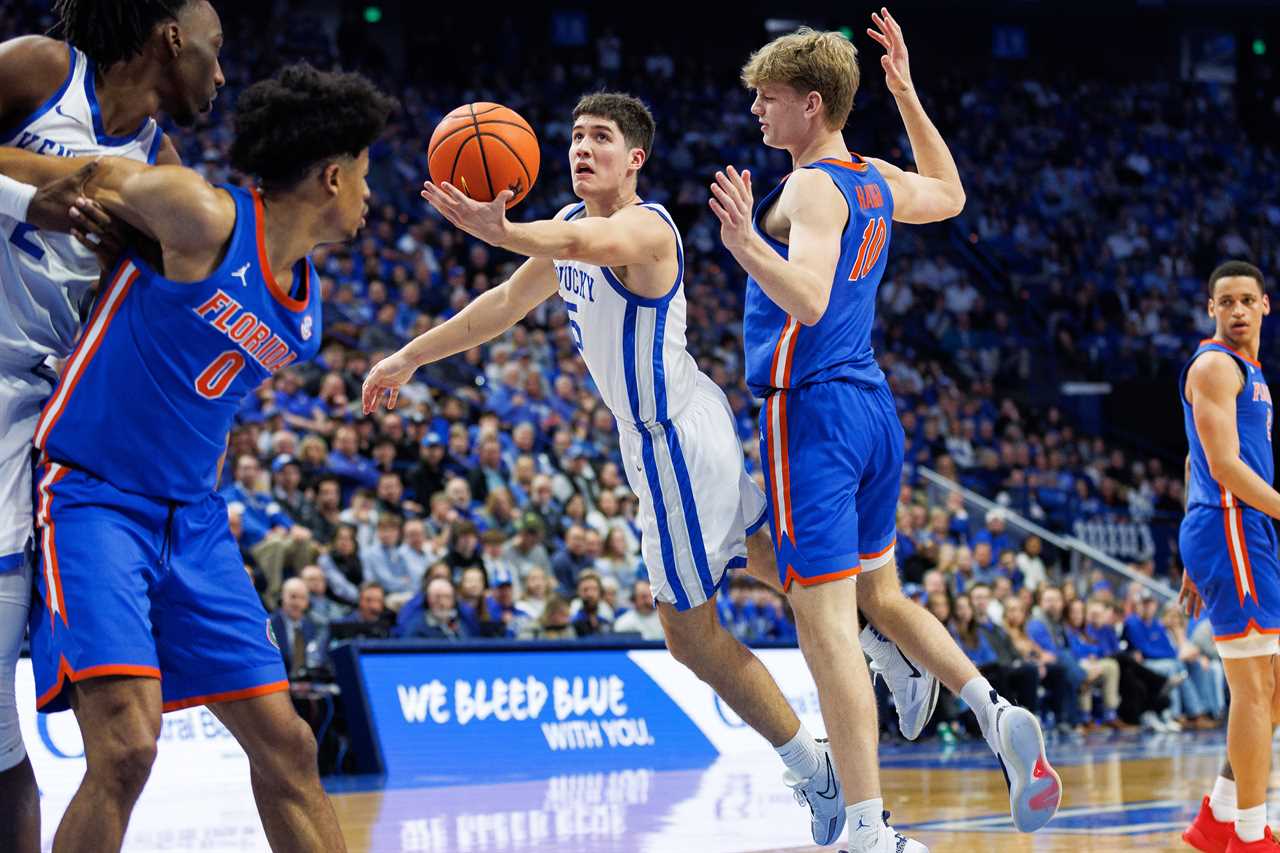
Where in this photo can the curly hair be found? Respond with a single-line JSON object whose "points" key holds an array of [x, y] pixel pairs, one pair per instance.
{"points": [[286, 125], [111, 31]]}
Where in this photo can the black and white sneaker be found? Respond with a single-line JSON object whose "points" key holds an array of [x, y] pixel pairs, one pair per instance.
{"points": [[824, 796], [914, 689]]}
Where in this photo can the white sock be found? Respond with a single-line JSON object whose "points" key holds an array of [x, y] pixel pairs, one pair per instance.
{"points": [[980, 696], [865, 820], [1251, 822], [800, 754], [1222, 800]]}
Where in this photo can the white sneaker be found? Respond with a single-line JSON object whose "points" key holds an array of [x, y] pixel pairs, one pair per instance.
{"points": [[823, 794], [891, 841], [915, 690], [1035, 789]]}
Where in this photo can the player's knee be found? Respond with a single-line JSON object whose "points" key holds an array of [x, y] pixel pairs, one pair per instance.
{"points": [[125, 762], [297, 750], [696, 649]]}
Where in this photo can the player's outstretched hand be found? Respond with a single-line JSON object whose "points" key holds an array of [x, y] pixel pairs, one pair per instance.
{"points": [[897, 70], [386, 376], [1189, 597], [731, 202], [486, 221]]}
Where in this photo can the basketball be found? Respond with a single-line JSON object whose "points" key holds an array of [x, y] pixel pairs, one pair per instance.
{"points": [[483, 149]]}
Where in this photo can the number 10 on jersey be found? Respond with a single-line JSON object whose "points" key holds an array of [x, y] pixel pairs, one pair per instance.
{"points": [[873, 240]]}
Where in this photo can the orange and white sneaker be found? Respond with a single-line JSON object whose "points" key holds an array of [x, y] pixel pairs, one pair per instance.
{"points": [[1265, 844], [1208, 834]]}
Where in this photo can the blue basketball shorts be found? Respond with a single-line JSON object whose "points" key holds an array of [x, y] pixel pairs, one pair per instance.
{"points": [[132, 585], [1231, 555], [832, 453]]}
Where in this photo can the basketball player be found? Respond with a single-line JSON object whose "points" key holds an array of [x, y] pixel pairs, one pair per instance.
{"points": [[144, 604], [1228, 545], [618, 264], [814, 252], [95, 93]]}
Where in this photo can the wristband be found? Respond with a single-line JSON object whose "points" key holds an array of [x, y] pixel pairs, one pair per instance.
{"points": [[15, 198]]}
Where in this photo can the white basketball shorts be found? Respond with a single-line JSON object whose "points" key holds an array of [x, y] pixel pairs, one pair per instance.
{"points": [[697, 502]]}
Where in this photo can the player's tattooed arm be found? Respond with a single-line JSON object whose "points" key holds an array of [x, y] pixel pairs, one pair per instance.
{"points": [[935, 193], [173, 205], [1213, 381]]}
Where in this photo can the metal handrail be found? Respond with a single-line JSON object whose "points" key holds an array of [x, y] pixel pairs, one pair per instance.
{"points": [[1071, 544]]}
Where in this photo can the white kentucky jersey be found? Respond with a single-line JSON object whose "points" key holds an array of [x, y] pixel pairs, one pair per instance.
{"points": [[46, 279], [634, 346]]}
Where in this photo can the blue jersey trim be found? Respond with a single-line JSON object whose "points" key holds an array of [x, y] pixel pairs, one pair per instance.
{"points": [[649, 458], [50, 103], [91, 93], [12, 562], [690, 506], [759, 522], [154, 151], [648, 301], [687, 501]]}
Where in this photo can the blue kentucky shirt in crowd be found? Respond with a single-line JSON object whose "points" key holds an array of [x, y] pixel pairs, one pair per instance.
{"points": [[1151, 639]]}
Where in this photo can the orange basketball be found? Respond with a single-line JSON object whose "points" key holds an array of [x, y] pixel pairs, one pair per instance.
{"points": [[483, 149]]}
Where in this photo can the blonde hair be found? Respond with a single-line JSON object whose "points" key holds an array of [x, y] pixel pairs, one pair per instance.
{"points": [[810, 61]]}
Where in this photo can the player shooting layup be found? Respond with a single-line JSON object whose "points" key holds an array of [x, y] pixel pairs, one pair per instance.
{"points": [[618, 264]]}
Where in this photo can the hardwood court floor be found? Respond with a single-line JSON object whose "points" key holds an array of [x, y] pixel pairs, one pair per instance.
{"points": [[1122, 793]]}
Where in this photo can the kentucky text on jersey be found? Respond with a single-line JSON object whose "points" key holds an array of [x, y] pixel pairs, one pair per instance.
{"points": [[253, 335], [577, 282]]}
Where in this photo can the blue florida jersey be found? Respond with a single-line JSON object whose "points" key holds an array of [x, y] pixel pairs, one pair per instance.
{"points": [[781, 353], [1253, 424], [152, 388]]}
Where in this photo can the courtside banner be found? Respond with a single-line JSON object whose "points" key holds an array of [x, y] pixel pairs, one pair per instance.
{"points": [[438, 716]]}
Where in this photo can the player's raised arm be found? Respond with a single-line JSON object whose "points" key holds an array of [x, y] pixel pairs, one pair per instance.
{"points": [[486, 317], [1213, 381], [801, 283], [936, 192], [632, 235]]}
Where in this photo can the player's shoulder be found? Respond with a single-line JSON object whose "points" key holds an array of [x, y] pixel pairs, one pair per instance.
{"points": [[1214, 369], [31, 69], [813, 193]]}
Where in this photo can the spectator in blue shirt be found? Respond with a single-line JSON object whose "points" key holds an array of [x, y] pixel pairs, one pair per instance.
{"points": [[261, 512], [994, 534], [476, 608], [571, 560], [433, 615], [1152, 646], [1050, 634], [346, 464], [383, 562], [1099, 667]]}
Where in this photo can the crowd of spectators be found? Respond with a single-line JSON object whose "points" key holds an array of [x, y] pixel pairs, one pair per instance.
{"points": [[491, 503]]}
